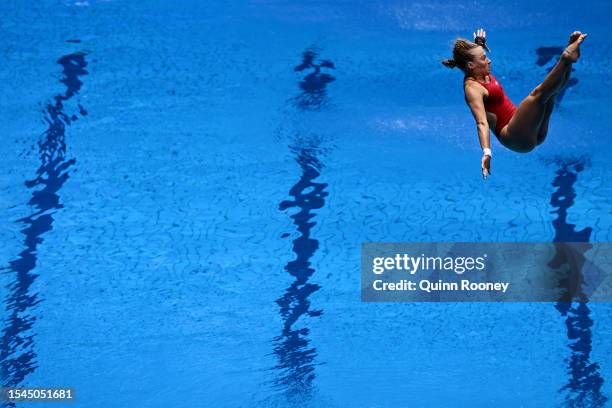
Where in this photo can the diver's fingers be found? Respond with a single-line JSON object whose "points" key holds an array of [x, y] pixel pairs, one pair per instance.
{"points": [[485, 163]]}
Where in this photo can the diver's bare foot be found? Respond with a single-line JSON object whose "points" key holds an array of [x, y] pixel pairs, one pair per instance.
{"points": [[572, 52], [573, 37]]}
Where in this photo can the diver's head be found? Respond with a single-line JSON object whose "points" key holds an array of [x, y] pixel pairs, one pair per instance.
{"points": [[469, 57]]}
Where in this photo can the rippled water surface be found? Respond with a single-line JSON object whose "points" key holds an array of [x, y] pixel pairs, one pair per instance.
{"points": [[186, 186]]}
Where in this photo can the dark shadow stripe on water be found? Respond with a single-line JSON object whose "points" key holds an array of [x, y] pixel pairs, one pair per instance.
{"points": [[583, 388], [296, 356], [17, 354]]}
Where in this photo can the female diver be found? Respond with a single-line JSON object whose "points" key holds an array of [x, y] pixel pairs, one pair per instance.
{"points": [[518, 128]]}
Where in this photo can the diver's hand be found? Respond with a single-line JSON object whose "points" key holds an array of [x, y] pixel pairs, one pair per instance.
{"points": [[480, 38], [485, 163]]}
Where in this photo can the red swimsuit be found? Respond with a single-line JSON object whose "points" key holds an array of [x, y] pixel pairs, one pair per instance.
{"points": [[498, 103]]}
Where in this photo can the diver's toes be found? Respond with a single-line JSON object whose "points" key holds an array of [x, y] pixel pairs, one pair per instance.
{"points": [[574, 36]]}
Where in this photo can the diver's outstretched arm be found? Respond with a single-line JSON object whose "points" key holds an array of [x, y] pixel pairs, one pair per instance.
{"points": [[474, 96]]}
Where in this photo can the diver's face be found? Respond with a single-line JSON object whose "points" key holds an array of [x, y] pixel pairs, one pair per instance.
{"points": [[480, 64]]}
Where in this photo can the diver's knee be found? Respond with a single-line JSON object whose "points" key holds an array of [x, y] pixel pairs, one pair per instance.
{"points": [[537, 95], [537, 92]]}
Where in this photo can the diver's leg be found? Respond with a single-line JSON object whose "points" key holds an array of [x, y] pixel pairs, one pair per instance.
{"points": [[557, 78], [523, 130], [521, 133], [544, 127], [552, 101]]}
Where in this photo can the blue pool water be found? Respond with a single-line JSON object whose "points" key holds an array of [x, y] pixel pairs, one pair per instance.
{"points": [[186, 186]]}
